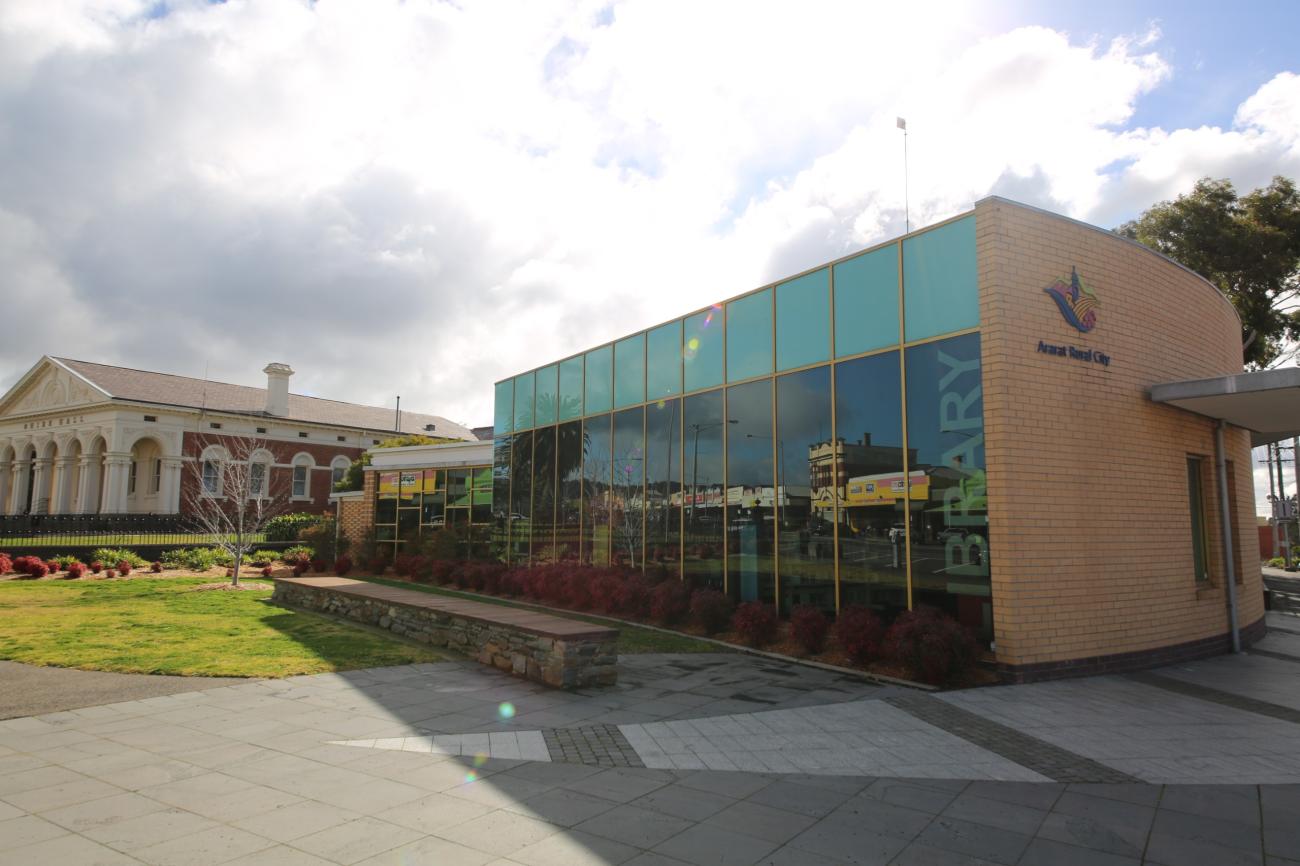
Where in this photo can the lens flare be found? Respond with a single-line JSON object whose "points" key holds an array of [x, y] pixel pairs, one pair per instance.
{"points": [[471, 776], [506, 710], [480, 759]]}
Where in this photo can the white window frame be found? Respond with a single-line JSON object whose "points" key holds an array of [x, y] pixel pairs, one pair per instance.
{"points": [[303, 461], [131, 474], [339, 467], [155, 480], [214, 456], [263, 458]]}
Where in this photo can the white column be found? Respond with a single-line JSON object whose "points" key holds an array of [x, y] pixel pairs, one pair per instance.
{"points": [[169, 487], [18, 493], [61, 502], [88, 484], [41, 485], [117, 466], [6, 488]]}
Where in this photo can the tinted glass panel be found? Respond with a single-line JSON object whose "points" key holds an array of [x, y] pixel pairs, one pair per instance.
{"points": [[595, 491], [702, 473], [599, 379], [543, 494], [524, 386], [1196, 501], [866, 302], [568, 515], [627, 506], [702, 349], [547, 380], [940, 287], [521, 484], [863, 470], [501, 448], [570, 389], [945, 432], [664, 361], [750, 491], [803, 321], [749, 336], [663, 461], [503, 413], [805, 526], [629, 371]]}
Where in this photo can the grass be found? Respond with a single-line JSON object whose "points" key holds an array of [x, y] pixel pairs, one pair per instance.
{"points": [[161, 626], [631, 639]]}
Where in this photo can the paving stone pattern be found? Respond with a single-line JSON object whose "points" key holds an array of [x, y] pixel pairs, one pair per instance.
{"points": [[599, 745], [1217, 696], [1054, 762]]}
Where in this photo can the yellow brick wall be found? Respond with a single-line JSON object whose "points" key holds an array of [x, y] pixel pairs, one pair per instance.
{"points": [[356, 516], [1090, 531]]}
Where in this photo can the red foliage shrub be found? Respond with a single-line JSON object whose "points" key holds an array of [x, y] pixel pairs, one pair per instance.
{"points": [[53, 566], [755, 623], [440, 571], [76, 570], [575, 587], [491, 576], [96, 567], [342, 565], [670, 602], [124, 568], [377, 565], [810, 628], [606, 592], [37, 568], [933, 647], [156, 568], [110, 574], [634, 597], [711, 610], [860, 633], [6, 564], [266, 571], [299, 569], [319, 565], [27, 564]]}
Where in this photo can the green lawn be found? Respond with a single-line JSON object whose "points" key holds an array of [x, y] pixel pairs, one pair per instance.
{"points": [[631, 639], [164, 627]]}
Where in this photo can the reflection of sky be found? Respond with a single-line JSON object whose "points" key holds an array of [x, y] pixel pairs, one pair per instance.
{"points": [[869, 400], [749, 444], [704, 410], [933, 403], [803, 402]]}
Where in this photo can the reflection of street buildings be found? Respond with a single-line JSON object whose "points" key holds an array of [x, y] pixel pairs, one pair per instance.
{"points": [[831, 465]]}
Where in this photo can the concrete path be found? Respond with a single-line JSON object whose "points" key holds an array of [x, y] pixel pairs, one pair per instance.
{"points": [[430, 764], [28, 690]]}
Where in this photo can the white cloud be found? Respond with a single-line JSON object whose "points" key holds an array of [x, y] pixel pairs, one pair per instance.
{"points": [[418, 198]]}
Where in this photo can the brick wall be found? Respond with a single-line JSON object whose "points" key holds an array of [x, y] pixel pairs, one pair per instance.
{"points": [[356, 516], [322, 453], [1090, 529]]}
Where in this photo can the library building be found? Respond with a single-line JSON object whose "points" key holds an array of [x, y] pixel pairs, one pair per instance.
{"points": [[1030, 423]]}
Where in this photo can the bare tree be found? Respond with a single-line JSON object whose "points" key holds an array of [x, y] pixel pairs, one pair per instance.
{"points": [[230, 495]]}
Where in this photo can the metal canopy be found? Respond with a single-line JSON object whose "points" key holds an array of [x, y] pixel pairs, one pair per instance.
{"points": [[1267, 403]]}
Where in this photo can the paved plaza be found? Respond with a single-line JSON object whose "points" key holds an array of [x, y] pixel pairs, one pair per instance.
{"points": [[697, 759]]}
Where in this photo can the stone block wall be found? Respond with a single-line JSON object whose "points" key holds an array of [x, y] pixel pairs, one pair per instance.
{"points": [[566, 662]]}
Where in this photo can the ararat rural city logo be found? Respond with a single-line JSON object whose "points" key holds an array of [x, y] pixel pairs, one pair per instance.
{"points": [[1077, 303]]}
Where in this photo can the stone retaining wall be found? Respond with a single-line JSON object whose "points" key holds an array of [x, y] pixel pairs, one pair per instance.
{"points": [[567, 655]]}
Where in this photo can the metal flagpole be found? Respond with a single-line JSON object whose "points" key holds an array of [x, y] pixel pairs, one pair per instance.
{"points": [[907, 216]]}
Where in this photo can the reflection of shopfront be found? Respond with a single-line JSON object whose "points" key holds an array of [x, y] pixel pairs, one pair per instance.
{"points": [[411, 504]]}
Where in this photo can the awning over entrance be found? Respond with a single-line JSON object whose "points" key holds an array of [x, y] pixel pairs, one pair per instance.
{"points": [[1267, 402]]}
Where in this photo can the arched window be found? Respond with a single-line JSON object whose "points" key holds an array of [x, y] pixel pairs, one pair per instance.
{"points": [[338, 468], [302, 466], [259, 473], [212, 460]]}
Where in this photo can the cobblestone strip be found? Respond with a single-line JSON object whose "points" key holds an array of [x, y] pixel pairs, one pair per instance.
{"points": [[1217, 696], [1038, 755], [1272, 655], [601, 745]]}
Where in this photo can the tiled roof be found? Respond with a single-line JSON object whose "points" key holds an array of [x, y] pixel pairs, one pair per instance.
{"points": [[166, 389]]}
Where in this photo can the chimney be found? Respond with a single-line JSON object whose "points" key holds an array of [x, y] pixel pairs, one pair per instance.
{"points": [[277, 388]]}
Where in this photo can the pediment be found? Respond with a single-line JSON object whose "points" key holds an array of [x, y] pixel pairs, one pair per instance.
{"points": [[49, 387]]}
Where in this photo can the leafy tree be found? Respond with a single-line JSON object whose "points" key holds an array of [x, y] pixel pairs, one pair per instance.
{"points": [[353, 478], [1248, 246]]}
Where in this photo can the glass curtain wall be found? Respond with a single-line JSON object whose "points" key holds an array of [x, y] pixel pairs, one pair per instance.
{"points": [[411, 504], [845, 465]]}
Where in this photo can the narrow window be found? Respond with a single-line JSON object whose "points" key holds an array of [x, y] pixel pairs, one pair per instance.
{"points": [[156, 484], [300, 481], [1196, 498], [256, 479], [211, 480], [130, 478]]}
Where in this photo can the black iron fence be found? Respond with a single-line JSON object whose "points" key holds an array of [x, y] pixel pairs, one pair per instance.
{"points": [[22, 532]]}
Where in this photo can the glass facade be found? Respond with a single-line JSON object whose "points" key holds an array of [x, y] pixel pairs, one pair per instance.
{"points": [[845, 465], [411, 504]]}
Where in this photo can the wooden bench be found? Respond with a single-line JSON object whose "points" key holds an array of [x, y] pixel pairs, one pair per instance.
{"points": [[559, 652]]}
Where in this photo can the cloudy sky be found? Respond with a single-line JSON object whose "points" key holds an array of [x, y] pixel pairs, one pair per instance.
{"points": [[419, 198]]}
